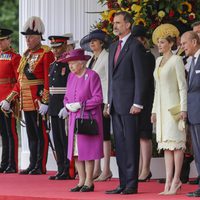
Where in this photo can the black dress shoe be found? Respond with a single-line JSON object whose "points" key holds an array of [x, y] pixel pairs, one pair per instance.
{"points": [[63, 176], [130, 191], [195, 181], [2, 169], [76, 189], [194, 194], [10, 170], [25, 171], [35, 172], [118, 190], [86, 188], [55, 176]]}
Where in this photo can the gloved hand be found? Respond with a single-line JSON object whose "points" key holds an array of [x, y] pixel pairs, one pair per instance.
{"points": [[73, 107], [5, 105], [43, 109], [63, 113]]}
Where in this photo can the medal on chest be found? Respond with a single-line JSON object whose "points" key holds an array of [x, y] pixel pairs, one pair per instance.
{"points": [[32, 61]]}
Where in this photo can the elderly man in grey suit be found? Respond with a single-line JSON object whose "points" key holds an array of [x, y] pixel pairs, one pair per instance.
{"points": [[127, 84], [191, 45]]}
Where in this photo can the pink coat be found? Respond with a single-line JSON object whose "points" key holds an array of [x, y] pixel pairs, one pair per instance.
{"points": [[80, 89]]}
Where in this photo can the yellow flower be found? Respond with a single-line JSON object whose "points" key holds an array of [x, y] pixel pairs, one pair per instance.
{"points": [[140, 21], [104, 15], [145, 1], [126, 9], [119, 2], [186, 4], [105, 30], [183, 20], [161, 13], [136, 8], [110, 15]]}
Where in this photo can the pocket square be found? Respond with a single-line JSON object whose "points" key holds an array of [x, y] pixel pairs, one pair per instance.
{"points": [[197, 71]]}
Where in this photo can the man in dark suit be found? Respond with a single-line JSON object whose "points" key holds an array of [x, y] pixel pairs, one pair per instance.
{"points": [[191, 45], [126, 92]]}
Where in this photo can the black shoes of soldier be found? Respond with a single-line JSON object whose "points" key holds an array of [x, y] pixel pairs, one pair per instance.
{"points": [[35, 171], [10, 170], [2, 169], [26, 171]]}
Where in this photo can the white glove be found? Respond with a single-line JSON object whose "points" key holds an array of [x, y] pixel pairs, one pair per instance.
{"points": [[5, 105], [43, 109], [63, 113], [73, 107]]}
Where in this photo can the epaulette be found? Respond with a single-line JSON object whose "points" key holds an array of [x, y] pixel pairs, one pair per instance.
{"points": [[46, 48]]}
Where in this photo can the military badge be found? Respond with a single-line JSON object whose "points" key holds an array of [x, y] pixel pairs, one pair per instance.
{"points": [[63, 71]]}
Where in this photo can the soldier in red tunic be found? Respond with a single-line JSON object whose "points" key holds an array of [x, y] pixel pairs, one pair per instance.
{"points": [[9, 61], [33, 89]]}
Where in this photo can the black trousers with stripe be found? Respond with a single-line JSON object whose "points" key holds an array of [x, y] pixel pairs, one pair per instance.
{"points": [[37, 140], [9, 136]]}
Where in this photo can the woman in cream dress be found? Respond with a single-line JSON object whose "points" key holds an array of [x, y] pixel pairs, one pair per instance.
{"points": [[170, 92]]}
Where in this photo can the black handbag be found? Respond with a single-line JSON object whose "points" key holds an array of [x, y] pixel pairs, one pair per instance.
{"points": [[86, 126]]}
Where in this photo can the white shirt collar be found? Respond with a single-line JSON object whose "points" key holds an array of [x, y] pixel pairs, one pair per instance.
{"points": [[124, 39], [196, 55]]}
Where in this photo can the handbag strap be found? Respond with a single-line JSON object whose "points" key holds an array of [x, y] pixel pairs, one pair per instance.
{"points": [[83, 110]]}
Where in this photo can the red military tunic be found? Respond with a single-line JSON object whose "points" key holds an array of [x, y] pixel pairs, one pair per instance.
{"points": [[33, 86], [33, 82], [9, 62]]}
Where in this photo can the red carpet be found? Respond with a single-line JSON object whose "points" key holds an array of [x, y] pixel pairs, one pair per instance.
{"points": [[27, 187]]}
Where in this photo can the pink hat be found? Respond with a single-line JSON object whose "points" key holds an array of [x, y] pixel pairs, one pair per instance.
{"points": [[77, 54]]}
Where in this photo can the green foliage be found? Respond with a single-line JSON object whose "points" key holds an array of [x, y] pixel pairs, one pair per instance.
{"points": [[9, 18]]}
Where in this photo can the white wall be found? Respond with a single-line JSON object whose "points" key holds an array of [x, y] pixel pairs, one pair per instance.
{"points": [[59, 16]]}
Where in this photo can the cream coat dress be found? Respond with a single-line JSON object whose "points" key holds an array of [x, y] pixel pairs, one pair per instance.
{"points": [[170, 91], [101, 67]]}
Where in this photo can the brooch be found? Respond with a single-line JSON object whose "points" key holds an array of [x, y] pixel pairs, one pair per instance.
{"points": [[86, 76]]}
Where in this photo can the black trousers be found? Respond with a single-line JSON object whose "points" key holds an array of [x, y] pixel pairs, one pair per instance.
{"points": [[9, 136], [61, 143], [126, 135], [37, 140]]}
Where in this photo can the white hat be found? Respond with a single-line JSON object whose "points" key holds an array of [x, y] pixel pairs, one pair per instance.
{"points": [[70, 40], [33, 26]]}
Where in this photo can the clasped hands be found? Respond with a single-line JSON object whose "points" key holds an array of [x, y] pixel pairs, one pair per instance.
{"points": [[73, 107]]}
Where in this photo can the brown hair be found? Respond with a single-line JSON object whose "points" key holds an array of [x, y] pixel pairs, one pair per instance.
{"points": [[171, 39], [127, 16]]}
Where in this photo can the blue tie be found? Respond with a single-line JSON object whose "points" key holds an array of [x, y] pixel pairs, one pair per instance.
{"points": [[192, 66]]}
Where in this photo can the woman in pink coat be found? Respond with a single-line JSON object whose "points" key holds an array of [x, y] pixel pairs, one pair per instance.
{"points": [[83, 86]]}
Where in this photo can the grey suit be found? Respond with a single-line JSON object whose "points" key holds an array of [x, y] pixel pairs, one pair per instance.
{"points": [[194, 110], [127, 86]]}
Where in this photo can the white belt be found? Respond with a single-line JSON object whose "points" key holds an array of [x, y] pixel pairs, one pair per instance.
{"points": [[57, 90]]}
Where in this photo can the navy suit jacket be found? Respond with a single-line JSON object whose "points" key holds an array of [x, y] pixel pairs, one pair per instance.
{"points": [[193, 100], [127, 80]]}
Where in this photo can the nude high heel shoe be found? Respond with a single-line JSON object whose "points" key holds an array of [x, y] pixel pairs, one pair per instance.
{"points": [[166, 190], [174, 189]]}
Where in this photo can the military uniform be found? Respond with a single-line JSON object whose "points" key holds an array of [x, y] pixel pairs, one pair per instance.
{"points": [[33, 88], [58, 75], [57, 82], [9, 62]]}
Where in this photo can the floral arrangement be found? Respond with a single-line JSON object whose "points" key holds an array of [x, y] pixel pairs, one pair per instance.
{"points": [[150, 13]]}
